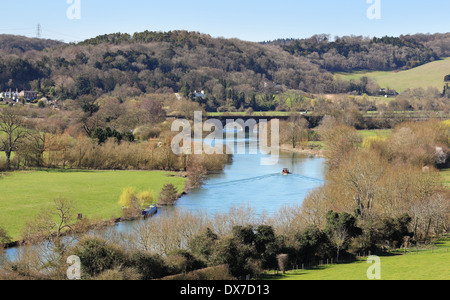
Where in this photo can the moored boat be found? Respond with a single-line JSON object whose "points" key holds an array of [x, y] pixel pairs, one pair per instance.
{"points": [[150, 211]]}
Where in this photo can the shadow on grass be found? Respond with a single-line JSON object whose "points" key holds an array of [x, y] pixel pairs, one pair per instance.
{"points": [[64, 170], [297, 273]]}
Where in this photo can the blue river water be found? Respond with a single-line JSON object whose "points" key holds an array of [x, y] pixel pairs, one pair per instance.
{"points": [[245, 181]]}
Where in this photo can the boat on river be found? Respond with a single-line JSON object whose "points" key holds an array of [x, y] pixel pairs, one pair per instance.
{"points": [[150, 211], [286, 172]]}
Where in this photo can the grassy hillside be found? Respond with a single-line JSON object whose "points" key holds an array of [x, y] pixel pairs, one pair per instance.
{"points": [[428, 75], [96, 193], [430, 264]]}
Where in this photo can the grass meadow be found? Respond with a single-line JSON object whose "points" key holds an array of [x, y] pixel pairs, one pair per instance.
{"points": [[428, 264], [446, 177], [95, 193], [428, 75]]}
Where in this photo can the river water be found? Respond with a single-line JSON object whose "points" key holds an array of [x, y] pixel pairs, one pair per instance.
{"points": [[246, 181]]}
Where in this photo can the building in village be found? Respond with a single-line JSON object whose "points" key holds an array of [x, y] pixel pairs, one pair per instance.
{"points": [[16, 96]]}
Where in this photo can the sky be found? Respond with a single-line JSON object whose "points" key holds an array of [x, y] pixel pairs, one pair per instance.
{"points": [[250, 20]]}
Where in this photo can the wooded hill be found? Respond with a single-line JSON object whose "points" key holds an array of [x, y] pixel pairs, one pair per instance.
{"points": [[226, 69]]}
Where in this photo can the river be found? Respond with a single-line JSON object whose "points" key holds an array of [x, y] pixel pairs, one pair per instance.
{"points": [[246, 181]]}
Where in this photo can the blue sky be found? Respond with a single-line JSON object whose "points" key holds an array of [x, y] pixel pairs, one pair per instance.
{"points": [[252, 20]]}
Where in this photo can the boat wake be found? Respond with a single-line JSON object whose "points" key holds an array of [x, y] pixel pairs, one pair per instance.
{"points": [[253, 179], [246, 180], [308, 178]]}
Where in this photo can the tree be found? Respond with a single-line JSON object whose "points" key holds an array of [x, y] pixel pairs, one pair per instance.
{"points": [[340, 140], [283, 260], [196, 174], [394, 230], [4, 238], [267, 245], [340, 228], [12, 125], [203, 245], [128, 197], [295, 130], [339, 238], [133, 203], [168, 195], [239, 252], [359, 177], [309, 244], [83, 85], [32, 149], [47, 233], [155, 112]]}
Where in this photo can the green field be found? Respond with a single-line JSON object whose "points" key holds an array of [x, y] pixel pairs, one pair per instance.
{"points": [[95, 193], [255, 114], [428, 75], [421, 265], [374, 133], [446, 177]]}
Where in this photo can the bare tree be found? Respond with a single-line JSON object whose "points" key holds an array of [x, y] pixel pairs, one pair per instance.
{"points": [[339, 237], [50, 226], [283, 260], [295, 130], [196, 174], [65, 215], [11, 124]]}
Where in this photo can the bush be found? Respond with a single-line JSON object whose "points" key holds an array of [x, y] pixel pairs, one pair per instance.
{"points": [[4, 238], [221, 273], [149, 266], [146, 132], [97, 256], [393, 230], [181, 261], [119, 275]]}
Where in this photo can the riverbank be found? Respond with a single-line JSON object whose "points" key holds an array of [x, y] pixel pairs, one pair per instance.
{"points": [[95, 193], [315, 152]]}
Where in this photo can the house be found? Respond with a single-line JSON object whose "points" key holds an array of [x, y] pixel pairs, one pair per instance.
{"points": [[28, 95], [10, 95], [15, 96], [388, 93], [197, 95]]}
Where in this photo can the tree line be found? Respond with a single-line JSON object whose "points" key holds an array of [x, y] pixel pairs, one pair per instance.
{"points": [[229, 70]]}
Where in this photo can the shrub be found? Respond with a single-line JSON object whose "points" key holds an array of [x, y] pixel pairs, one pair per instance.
{"points": [[97, 256], [4, 238], [181, 261], [128, 197], [119, 275], [221, 272], [283, 261], [168, 195], [149, 266]]}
